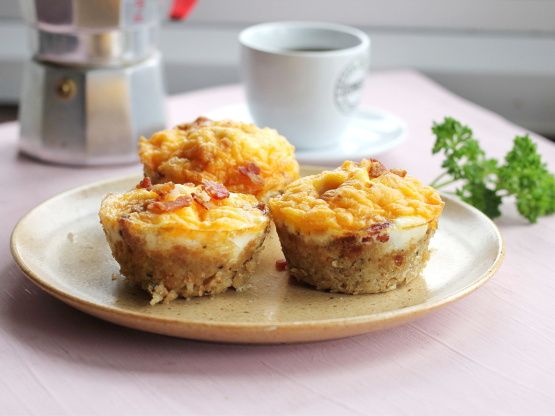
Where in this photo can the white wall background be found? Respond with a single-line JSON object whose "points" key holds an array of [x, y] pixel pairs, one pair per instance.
{"points": [[498, 53]]}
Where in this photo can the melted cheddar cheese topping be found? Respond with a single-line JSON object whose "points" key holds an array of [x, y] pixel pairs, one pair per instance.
{"points": [[237, 213], [245, 158], [352, 198]]}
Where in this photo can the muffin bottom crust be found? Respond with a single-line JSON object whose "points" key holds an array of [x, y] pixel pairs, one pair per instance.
{"points": [[351, 265], [183, 271]]}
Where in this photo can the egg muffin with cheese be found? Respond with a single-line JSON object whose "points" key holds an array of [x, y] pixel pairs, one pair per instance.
{"points": [[360, 228], [245, 158], [184, 239]]}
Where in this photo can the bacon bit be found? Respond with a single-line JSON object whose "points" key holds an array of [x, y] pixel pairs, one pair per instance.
{"points": [[251, 171], [261, 206], [215, 190], [198, 199], [382, 238], [376, 168], [399, 259], [374, 231], [253, 167], [348, 239], [281, 265], [376, 228], [163, 189], [159, 207], [399, 172], [200, 121], [146, 183]]}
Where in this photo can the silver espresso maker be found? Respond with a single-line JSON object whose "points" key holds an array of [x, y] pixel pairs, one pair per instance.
{"points": [[94, 84]]}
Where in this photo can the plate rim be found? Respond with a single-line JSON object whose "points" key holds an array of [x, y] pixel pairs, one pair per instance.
{"points": [[102, 311]]}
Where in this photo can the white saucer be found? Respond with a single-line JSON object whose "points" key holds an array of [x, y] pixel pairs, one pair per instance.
{"points": [[372, 131]]}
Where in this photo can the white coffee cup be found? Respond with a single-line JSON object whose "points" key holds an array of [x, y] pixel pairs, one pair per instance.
{"points": [[304, 79]]}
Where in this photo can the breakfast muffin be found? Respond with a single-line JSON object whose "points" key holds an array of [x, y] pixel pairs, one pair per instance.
{"points": [[183, 239], [360, 228], [245, 158]]}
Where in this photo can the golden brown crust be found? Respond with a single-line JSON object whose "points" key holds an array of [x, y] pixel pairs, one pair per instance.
{"points": [[184, 240], [245, 158], [352, 198], [182, 271], [361, 228], [353, 264], [183, 210]]}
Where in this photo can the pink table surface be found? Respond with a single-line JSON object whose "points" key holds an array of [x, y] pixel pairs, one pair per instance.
{"points": [[492, 352]]}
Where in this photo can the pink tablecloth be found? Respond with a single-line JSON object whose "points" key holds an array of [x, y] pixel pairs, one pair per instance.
{"points": [[490, 353]]}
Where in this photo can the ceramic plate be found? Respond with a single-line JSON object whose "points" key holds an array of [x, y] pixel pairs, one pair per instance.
{"points": [[372, 131], [61, 247]]}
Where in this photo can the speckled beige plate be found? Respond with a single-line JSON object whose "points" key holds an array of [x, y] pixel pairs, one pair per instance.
{"points": [[61, 247]]}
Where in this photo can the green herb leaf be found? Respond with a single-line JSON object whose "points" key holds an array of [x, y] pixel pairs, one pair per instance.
{"points": [[483, 183], [465, 162], [480, 196], [525, 175]]}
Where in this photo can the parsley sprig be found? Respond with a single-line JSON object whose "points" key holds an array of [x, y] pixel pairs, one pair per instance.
{"points": [[484, 182]]}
